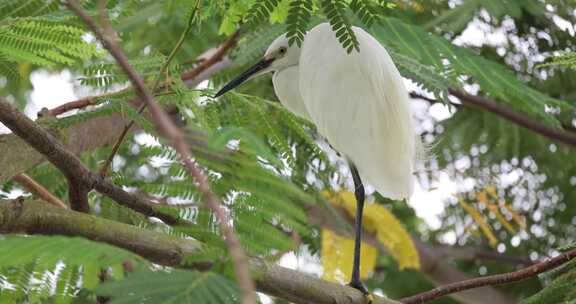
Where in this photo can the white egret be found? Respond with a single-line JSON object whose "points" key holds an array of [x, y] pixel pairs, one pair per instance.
{"points": [[357, 101]]}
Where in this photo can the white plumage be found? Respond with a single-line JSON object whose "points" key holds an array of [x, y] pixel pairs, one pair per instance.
{"points": [[357, 101]]}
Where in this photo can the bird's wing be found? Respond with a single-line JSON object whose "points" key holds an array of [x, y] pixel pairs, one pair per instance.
{"points": [[359, 103]]}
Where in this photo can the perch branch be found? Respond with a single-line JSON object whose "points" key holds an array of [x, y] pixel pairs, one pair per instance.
{"points": [[33, 217], [109, 40], [492, 280]]}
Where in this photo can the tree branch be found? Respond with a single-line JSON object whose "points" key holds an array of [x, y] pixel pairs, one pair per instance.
{"points": [[215, 58], [33, 217], [109, 40], [78, 195], [470, 253], [492, 280], [208, 66], [516, 117], [45, 143], [38, 190], [508, 114]]}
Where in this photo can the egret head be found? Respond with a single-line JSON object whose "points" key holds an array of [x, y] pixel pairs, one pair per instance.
{"points": [[278, 56]]}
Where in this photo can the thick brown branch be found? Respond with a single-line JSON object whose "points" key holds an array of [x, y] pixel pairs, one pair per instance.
{"points": [[38, 190], [70, 165], [78, 195], [34, 217], [492, 280], [165, 127]]}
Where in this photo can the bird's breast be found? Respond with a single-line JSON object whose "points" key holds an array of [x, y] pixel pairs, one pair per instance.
{"points": [[287, 89]]}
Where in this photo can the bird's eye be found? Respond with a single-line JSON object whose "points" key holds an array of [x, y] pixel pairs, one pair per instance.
{"points": [[282, 51]]}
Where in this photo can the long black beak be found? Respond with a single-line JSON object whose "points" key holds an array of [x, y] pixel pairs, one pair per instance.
{"points": [[259, 66]]}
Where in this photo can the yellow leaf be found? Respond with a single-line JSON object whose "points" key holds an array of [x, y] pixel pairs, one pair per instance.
{"points": [[479, 219], [492, 191], [520, 220], [387, 228], [337, 256], [472, 231], [483, 198]]}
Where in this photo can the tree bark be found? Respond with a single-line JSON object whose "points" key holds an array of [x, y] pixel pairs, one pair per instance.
{"points": [[34, 217]]}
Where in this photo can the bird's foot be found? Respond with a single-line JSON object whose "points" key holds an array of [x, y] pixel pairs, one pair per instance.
{"points": [[362, 288]]}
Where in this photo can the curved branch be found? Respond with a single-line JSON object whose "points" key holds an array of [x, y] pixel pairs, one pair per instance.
{"points": [[35, 217], [492, 280], [213, 59], [70, 165]]}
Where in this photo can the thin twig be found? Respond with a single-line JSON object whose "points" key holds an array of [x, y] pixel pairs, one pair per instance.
{"points": [[116, 147], [218, 55], [497, 279], [109, 40], [501, 110], [204, 64], [39, 190], [516, 117]]}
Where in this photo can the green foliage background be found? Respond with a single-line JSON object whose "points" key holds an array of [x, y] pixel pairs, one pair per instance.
{"points": [[265, 163]]}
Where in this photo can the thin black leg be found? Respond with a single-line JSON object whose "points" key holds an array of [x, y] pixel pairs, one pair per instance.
{"points": [[360, 196]]}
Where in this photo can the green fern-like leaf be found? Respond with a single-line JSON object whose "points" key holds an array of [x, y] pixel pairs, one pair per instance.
{"points": [[27, 8], [335, 11], [43, 43], [107, 74], [452, 61], [172, 287], [365, 11], [567, 60], [72, 263], [299, 15], [47, 251], [261, 10], [256, 42]]}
